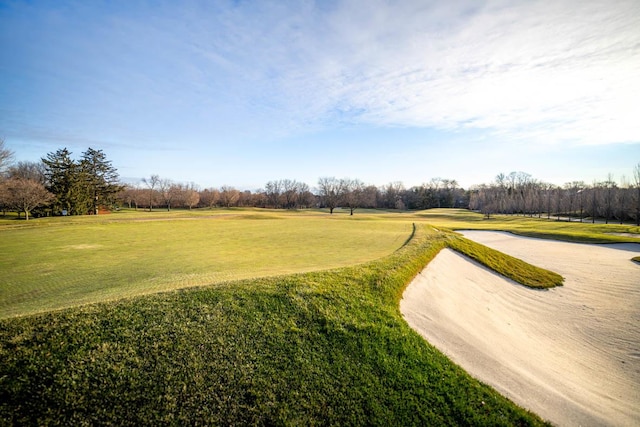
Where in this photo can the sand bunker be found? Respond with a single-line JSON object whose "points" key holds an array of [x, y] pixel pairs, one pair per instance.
{"points": [[569, 354]]}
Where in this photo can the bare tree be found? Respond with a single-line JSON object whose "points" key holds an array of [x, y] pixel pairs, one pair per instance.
{"points": [[608, 196], [352, 194], [370, 196], [273, 191], [330, 192], [152, 183], [581, 198], [210, 197], [24, 195], [247, 199], [392, 195], [622, 199], [34, 171], [168, 191], [571, 192], [486, 199], [593, 201], [636, 193], [6, 156], [290, 193], [131, 196], [306, 198], [229, 196], [192, 196]]}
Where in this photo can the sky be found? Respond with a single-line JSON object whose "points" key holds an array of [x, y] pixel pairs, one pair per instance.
{"points": [[244, 92]]}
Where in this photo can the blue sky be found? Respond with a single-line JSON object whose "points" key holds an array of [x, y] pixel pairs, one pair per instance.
{"points": [[244, 92]]}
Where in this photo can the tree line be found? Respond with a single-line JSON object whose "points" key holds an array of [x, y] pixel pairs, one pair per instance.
{"points": [[330, 193], [61, 185], [519, 193]]}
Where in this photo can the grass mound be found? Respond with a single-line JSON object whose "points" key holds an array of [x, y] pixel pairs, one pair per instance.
{"points": [[513, 268], [316, 348]]}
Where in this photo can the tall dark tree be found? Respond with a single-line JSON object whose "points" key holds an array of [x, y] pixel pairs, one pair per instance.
{"points": [[65, 181], [101, 178]]}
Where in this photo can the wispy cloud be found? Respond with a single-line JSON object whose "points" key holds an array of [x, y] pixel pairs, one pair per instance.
{"points": [[541, 71], [547, 71]]}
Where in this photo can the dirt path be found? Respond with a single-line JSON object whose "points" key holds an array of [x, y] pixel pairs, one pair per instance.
{"points": [[570, 354]]}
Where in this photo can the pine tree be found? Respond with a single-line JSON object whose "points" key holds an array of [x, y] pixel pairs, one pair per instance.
{"points": [[100, 178], [64, 181]]}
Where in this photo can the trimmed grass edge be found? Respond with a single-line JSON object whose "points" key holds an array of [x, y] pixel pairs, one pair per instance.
{"points": [[506, 265]]}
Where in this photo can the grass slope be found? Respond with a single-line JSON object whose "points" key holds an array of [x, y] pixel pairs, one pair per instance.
{"points": [[319, 348], [513, 268]]}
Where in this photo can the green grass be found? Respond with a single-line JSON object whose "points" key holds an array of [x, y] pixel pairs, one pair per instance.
{"points": [[268, 317], [52, 263], [459, 219], [318, 348], [513, 268]]}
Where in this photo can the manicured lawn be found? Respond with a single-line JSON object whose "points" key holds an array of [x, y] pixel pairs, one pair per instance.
{"points": [[318, 348], [50, 264], [574, 231], [267, 317]]}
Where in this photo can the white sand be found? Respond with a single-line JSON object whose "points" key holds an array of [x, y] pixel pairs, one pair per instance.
{"points": [[569, 354]]}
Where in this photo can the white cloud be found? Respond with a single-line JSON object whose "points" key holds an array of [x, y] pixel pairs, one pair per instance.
{"points": [[548, 71]]}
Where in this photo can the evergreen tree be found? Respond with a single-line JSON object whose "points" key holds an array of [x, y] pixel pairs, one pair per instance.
{"points": [[64, 181], [81, 186], [100, 177]]}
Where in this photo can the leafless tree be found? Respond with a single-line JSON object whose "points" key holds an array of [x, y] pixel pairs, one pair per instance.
{"points": [[131, 196], [168, 191], [636, 193], [152, 184], [572, 190], [581, 198], [34, 171], [622, 199], [229, 196], [306, 198], [290, 192], [184, 195], [191, 196], [353, 191], [608, 197], [210, 197], [248, 199], [6, 156], [392, 195], [23, 195], [273, 191], [370, 196], [330, 192]]}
